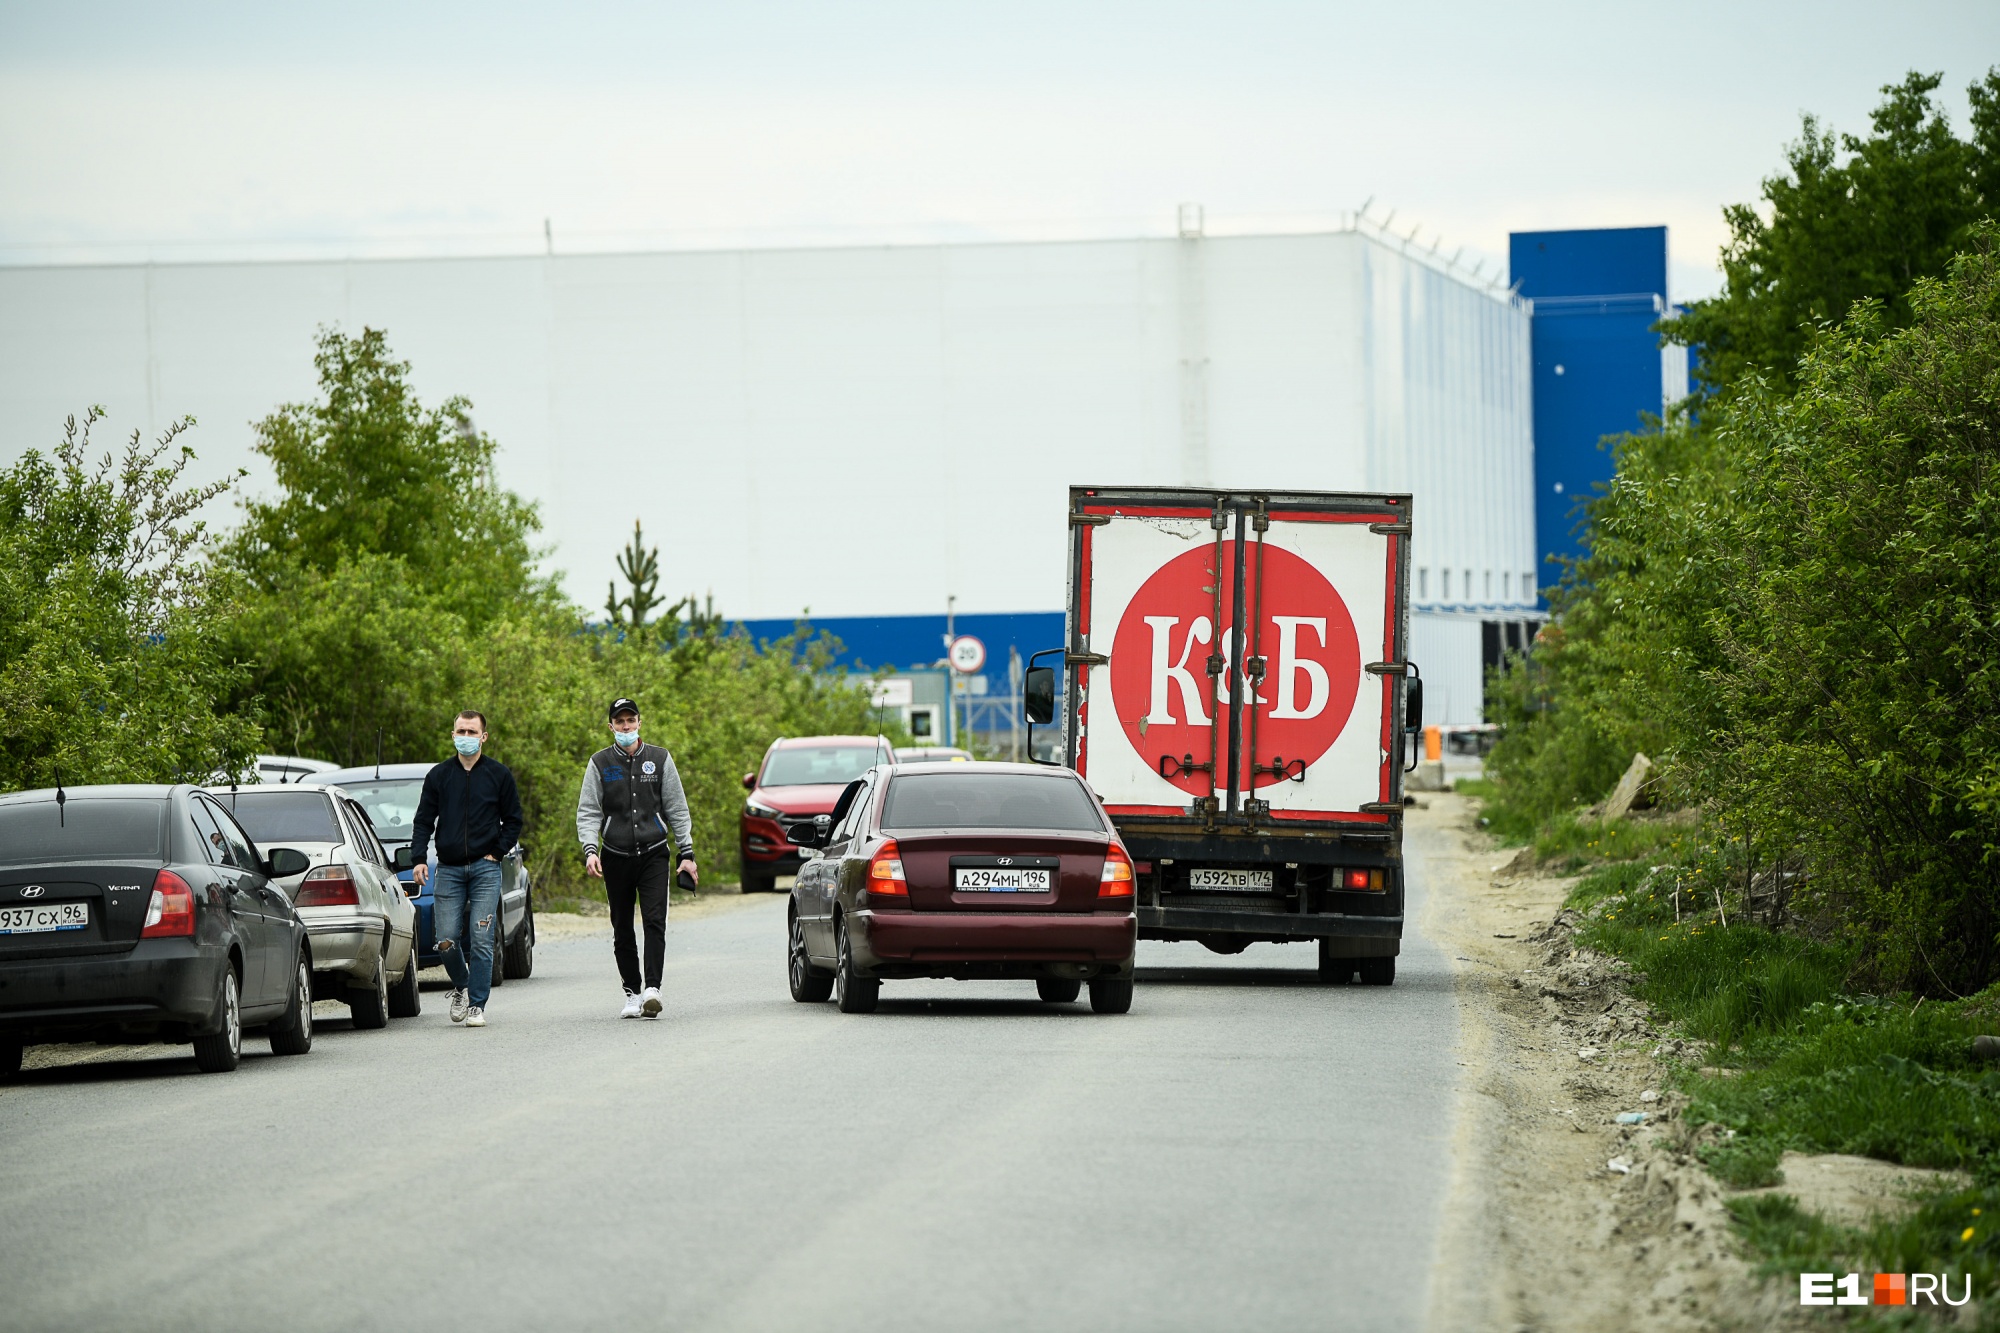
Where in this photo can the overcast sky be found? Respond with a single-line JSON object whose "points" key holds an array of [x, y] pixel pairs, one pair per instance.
{"points": [[245, 131]]}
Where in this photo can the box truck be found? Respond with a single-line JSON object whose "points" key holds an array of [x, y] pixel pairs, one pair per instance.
{"points": [[1237, 688]]}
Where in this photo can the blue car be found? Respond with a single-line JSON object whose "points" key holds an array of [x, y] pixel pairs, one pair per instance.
{"points": [[389, 793]]}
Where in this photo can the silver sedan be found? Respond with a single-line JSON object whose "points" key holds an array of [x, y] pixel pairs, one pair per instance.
{"points": [[362, 926]]}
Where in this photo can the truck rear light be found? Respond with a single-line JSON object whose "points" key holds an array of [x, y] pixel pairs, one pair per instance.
{"points": [[327, 886], [885, 873], [1115, 880], [171, 912], [1369, 881]]}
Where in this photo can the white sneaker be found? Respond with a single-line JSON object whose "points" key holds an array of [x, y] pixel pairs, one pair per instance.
{"points": [[475, 1017], [458, 1003], [651, 1005], [631, 1009]]}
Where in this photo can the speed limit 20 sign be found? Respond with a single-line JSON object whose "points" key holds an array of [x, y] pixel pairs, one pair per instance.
{"points": [[967, 655]]}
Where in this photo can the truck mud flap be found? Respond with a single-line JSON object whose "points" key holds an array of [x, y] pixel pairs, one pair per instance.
{"points": [[1268, 925]]}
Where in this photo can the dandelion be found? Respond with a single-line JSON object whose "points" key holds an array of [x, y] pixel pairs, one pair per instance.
{"points": [[1977, 1211], [1966, 1234]]}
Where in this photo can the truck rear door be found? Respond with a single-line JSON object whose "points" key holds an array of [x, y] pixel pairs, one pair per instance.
{"points": [[1238, 655]]}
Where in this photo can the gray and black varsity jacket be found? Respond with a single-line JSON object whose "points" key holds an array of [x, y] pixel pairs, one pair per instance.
{"points": [[633, 803]]}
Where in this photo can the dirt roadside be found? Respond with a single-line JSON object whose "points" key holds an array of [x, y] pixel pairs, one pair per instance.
{"points": [[1559, 1217]]}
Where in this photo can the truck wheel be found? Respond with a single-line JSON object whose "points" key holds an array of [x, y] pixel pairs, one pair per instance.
{"points": [[293, 1034], [369, 1004], [220, 1052], [1056, 990], [810, 985], [521, 953], [1334, 971], [854, 994], [1111, 995], [1378, 971]]}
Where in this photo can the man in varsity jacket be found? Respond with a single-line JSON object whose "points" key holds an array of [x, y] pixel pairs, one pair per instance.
{"points": [[630, 818]]}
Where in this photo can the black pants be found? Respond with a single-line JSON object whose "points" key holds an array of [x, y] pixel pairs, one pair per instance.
{"points": [[645, 878]]}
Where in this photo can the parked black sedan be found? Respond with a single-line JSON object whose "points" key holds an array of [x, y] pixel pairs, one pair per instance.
{"points": [[136, 913]]}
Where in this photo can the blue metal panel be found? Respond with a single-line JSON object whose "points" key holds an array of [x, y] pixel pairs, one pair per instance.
{"points": [[869, 642], [1596, 297]]}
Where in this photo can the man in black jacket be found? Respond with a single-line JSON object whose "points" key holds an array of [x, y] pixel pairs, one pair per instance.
{"points": [[630, 816], [471, 806]]}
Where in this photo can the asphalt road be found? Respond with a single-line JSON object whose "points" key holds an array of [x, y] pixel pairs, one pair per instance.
{"points": [[1245, 1150]]}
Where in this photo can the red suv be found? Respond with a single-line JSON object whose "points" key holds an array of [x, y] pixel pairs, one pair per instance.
{"points": [[800, 778]]}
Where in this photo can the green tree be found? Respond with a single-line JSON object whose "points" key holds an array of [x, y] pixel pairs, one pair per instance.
{"points": [[368, 470], [1866, 227], [112, 655]]}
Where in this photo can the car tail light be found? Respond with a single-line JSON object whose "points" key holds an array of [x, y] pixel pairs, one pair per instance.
{"points": [[171, 912], [1115, 880], [1368, 880], [885, 874], [327, 886]]}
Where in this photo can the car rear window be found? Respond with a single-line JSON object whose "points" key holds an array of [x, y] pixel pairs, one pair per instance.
{"points": [[391, 803], [967, 798], [111, 829], [805, 765], [283, 816]]}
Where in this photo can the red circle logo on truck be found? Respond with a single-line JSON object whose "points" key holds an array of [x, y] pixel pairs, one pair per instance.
{"points": [[1168, 702]]}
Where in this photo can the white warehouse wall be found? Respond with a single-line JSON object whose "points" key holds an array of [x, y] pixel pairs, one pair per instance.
{"points": [[861, 431]]}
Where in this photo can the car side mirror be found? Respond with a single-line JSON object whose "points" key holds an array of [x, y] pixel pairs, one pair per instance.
{"points": [[400, 860], [814, 834], [283, 862], [749, 782], [1038, 695]]}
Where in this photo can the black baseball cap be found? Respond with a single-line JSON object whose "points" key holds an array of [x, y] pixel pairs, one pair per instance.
{"points": [[622, 706]]}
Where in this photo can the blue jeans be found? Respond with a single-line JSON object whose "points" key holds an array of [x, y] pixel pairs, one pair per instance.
{"points": [[462, 894]]}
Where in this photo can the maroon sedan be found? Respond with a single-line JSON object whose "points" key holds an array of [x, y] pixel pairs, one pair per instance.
{"points": [[974, 871]]}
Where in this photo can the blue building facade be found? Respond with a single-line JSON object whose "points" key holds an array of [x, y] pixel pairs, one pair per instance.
{"points": [[871, 643], [1597, 364]]}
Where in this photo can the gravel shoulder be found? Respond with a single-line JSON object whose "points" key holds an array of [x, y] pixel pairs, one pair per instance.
{"points": [[1560, 1217]]}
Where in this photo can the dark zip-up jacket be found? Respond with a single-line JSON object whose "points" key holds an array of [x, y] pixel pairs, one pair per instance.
{"points": [[474, 812]]}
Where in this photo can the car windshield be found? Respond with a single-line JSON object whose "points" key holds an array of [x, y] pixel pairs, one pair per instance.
{"points": [[968, 798], [271, 817], [111, 829], [806, 765], [390, 802]]}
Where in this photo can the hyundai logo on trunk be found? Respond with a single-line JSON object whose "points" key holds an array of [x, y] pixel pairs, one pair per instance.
{"points": [[33, 891]]}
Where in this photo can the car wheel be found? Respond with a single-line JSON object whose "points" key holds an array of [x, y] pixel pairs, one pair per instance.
{"points": [[10, 1058], [521, 953], [1333, 971], [220, 1052], [499, 972], [1111, 995], [810, 985], [370, 1003], [406, 998], [756, 883], [1378, 971], [1057, 990], [293, 1034], [854, 994]]}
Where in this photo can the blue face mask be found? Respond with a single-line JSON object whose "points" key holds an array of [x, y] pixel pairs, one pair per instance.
{"points": [[626, 739], [467, 745]]}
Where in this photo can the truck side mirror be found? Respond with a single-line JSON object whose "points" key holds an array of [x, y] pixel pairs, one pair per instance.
{"points": [[1038, 695], [1413, 705]]}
